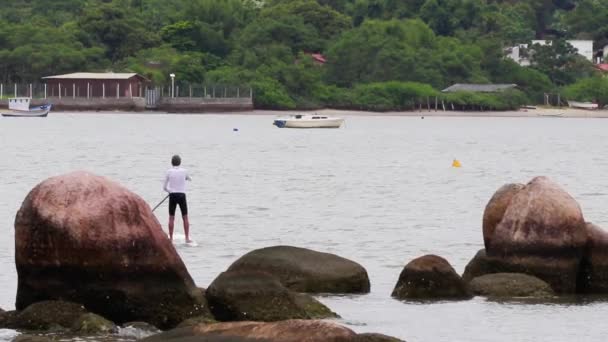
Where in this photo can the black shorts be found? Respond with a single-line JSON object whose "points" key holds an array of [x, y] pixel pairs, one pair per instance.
{"points": [[175, 199]]}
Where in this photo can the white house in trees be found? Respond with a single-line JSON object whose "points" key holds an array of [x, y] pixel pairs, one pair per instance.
{"points": [[583, 47]]}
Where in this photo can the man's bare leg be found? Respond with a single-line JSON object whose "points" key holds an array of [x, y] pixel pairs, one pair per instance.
{"points": [[186, 228], [171, 223]]}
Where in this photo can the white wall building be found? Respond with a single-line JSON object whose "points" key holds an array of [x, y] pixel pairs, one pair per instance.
{"points": [[583, 47]]}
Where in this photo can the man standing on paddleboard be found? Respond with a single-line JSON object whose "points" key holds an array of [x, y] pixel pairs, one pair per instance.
{"points": [[175, 185]]}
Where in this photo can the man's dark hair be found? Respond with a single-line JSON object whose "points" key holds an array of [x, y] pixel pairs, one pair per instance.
{"points": [[176, 160]]}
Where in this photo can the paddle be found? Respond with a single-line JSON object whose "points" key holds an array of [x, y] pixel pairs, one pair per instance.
{"points": [[161, 202]]}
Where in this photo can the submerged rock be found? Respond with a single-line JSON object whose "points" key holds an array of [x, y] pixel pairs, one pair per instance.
{"points": [[196, 321], [430, 277], [31, 338], [510, 285], [305, 270], [542, 233], [47, 315], [258, 296], [89, 240]]}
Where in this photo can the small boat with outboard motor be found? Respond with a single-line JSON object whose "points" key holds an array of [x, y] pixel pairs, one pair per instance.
{"points": [[308, 121]]}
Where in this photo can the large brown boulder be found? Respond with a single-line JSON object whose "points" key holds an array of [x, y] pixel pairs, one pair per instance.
{"points": [[542, 233], [496, 208], [258, 296], [593, 276], [283, 331], [305, 270], [84, 238], [430, 277]]}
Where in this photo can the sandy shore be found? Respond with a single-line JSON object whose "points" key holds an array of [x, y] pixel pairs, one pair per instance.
{"points": [[538, 112]]}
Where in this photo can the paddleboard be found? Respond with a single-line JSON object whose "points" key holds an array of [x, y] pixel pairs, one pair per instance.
{"points": [[180, 240]]}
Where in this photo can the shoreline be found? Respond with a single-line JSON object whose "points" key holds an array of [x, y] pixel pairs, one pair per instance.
{"points": [[552, 113]]}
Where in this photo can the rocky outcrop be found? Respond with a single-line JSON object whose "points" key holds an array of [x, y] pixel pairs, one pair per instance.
{"points": [[541, 233], [482, 264], [86, 239], [496, 208], [258, 296], [283, 331], [430, 277], [304, 270], [506, 285], [593, 276]]}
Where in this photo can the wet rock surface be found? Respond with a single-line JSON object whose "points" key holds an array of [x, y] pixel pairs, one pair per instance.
{"points": [[430, 277], [84, 238], [305, 270]]}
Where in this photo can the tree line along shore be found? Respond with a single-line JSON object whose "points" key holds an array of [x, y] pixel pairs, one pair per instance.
{"points": [[304, 54]]}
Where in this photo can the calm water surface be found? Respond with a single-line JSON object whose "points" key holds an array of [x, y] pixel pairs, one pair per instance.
{"points": [[379, 191]]}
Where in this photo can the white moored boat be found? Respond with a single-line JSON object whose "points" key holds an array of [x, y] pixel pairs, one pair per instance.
{"points": [[20, 107], [308, 121], [582, 105]]}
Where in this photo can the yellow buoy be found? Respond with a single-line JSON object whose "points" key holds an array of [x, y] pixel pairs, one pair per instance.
{"points": [[456, 163]]}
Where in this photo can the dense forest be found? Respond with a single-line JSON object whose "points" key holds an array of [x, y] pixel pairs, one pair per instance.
{"points": [[379, 54]]}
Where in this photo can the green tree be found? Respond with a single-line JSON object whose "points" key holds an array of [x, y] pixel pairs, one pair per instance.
{"points": [[559, 61], [324, 20], [592, 89], [195, 36], [121, 33]]}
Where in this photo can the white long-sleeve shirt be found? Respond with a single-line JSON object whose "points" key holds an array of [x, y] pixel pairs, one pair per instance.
{"points": [[175, 181]]}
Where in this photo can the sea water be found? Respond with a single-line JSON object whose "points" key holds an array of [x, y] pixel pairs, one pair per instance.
{"points": [[380, 191]]}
